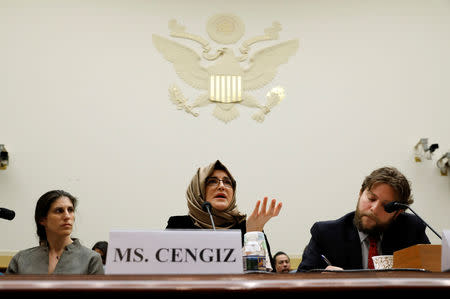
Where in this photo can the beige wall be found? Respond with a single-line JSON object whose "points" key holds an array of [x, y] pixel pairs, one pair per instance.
{"points": [[84, 107]]}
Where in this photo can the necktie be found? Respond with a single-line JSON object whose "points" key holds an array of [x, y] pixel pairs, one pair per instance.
{"points": [[373, 250]]}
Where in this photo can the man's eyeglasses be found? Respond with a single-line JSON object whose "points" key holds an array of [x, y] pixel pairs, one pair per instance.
{"points": [[214, 182]]}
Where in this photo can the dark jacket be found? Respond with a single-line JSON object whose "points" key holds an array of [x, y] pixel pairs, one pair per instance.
{"points": [[339, 241], [186, 222]]}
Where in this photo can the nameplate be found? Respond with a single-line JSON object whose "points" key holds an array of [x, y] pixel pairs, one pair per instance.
{"points": [[445, 253], [174, 252]]}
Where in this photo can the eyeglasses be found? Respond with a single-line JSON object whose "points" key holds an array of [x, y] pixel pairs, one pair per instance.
{"points": [[214, 182]]}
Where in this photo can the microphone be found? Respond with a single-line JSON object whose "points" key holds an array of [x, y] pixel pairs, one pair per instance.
{"points": [[395, 206], [206, 206], [7, 214]]}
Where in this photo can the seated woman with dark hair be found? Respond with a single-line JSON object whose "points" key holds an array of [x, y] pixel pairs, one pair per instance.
{"points": [[58, 252]]}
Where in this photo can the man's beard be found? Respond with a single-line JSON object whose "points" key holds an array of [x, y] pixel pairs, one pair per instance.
{"points": [[376, 230]]}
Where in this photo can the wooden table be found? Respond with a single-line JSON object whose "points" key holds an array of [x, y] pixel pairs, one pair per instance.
{"points": [[232, 285]]}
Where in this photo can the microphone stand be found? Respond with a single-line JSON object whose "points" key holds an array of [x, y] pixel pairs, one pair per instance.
{"points": [[425, 222], [205, 206], [210, 216]]}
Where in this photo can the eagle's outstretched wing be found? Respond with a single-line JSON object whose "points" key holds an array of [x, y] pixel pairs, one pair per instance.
{"points": [[265, 62], [185, 60]]}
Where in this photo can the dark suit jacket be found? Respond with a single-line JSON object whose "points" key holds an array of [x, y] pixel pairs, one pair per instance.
{"points": [[186, 222], [338, 240]]}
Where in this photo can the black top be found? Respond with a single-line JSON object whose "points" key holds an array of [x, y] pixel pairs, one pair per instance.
{"points": [[186, 222], [339, 241]]}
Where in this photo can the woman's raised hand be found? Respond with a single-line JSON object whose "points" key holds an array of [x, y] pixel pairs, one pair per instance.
{"points": [[259, 217]]}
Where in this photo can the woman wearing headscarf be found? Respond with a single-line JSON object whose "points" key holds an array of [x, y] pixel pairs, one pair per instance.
{"points": [[215, 184]]}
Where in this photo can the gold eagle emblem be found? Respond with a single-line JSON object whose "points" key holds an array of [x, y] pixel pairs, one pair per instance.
{"points": [[225, 80]]}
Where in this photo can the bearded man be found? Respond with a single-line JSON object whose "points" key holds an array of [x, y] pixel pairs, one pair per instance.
{"points": [[348, 242]]}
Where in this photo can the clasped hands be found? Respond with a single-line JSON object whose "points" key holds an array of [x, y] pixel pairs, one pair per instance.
{"points": [[259, 217]]}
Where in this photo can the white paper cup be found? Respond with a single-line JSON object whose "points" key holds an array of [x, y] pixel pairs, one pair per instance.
{"points": [[383, 261]]}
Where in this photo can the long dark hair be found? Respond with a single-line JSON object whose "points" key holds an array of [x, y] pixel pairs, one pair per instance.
{"points": [[43, 206], [103, 246]]}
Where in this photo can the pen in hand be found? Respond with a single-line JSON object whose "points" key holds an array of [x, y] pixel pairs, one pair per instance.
{"points": [[326, 260]]}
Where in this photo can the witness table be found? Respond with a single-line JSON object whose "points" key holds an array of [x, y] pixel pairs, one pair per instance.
{"points": [[231, 285]]}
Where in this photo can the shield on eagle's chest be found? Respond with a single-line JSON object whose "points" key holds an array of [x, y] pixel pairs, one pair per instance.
{"points": [[225, 88]]}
